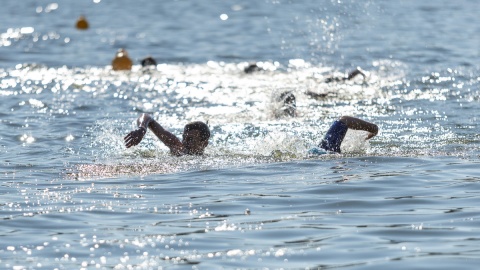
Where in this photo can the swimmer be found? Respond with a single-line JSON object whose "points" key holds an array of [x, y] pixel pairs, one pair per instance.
{"points": [[335, 135], [251, 68], [121, 61], [316, 95], [148, 61], [349, 76], [194, 140], [289, 103]]}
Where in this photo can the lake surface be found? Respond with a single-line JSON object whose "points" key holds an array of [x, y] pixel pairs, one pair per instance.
{"points": [[73, 197]]}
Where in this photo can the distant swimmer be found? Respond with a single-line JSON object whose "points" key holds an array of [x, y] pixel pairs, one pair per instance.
{"points": [[82, 23], [333, 139], [289, 103], [354, 73], [148, 61], [194, 140], [251, 68], [349, 76], [122, 61], [316, 95]]}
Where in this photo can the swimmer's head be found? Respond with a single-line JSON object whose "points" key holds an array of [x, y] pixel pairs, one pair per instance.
{"points": [[252, 67], [195, 137], [148, 61], [289, 103]]}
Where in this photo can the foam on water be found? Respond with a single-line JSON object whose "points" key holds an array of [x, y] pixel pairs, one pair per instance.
{"points": [[242, 110]]}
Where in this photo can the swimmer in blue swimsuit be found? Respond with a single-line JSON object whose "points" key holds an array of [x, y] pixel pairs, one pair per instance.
{"points": [[335, 135]]}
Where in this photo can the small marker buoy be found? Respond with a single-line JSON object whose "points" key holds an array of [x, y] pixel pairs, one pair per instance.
{"points": [[121, 61], [82, 23]]}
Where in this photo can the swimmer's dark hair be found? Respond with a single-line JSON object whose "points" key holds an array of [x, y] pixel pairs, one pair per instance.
{"points": [[289, 103], [148, 61], [200, 126]]}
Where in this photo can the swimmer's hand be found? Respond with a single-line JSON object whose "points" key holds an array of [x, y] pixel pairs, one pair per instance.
{"points": [[135, 137]]}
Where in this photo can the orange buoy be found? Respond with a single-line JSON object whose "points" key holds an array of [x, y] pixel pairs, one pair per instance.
{"points": [[82, 23], [121, 61]]}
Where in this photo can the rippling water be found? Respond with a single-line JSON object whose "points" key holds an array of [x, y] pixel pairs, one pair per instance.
{"points": [[72, 196]]}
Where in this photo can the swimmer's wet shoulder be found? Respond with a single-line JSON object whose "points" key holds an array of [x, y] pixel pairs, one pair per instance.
{"points": [[194, 139]]}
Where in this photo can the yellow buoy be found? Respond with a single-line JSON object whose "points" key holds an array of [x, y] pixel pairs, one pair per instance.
{"points": [[82, 23], [121, 61]]}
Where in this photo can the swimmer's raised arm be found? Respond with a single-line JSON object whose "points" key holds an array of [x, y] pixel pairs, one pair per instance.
{"points": [[355, 72], [144, 122], [359, 124]]}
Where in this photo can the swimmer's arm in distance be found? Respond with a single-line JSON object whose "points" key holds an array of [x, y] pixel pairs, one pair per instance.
{"points": [[355, 72], [146, 121], [359, 124], [352, 74]]}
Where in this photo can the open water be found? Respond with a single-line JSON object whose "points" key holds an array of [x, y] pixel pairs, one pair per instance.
{"points": [[73, 197]]}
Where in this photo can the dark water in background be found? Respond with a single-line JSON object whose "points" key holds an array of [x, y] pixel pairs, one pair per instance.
{"points": [[426, 36], [71, 195]]}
